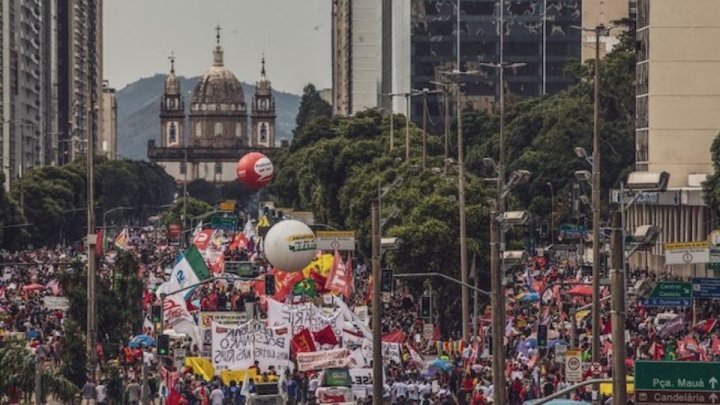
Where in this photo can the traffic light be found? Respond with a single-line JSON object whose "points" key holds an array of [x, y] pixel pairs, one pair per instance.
{"points": [[425, 307], [163, 345], [269, 284], [156, 314], [542, 336], [386, 280]]}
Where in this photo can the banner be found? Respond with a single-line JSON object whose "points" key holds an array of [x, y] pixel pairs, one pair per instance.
{"points": [[362, 381], [223, 318], [302, 316], [272, 347], [239, 347], [322, 360], [672, 326], [363, 314], [232, 347]]}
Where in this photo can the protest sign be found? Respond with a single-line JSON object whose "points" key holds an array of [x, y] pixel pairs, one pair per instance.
{"points": [[322, 360], [271, 347], [222, 318], [232, 347]]}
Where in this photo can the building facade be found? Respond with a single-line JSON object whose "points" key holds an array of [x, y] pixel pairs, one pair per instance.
{"points": [[358, 28], [677, 116], [80, 78], [108, 136], [393, 47], [218, 134], [23, 87]]}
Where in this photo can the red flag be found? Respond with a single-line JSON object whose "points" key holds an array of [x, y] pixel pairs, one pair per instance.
{"points": [[303, 342], [99, 243], [705, 326], [337, 280], [349, 277], [238, 242], [326, 336], [320, 281], [657, 351], [715, 348], [203, 238], [284, 282]]}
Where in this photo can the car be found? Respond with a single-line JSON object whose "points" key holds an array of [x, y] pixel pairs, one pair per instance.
{"points": [[335, 387], [266, 394]]}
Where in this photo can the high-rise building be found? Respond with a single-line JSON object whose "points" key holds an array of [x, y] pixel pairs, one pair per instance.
{"points": [[382, 47], [677, 115], [357, 57], [108, 136], [26, 75], [80, 90], [539, 34]]}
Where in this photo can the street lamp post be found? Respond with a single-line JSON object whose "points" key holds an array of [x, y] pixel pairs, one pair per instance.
{"points": [[599, 30], [105, 214], [376, 306]]}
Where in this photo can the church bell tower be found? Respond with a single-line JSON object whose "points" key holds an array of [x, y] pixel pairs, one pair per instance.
{"points": [[263, 112], [172, 111]]}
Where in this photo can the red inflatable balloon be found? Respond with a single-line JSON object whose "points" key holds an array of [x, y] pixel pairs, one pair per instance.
{"points": [[254, 170]]}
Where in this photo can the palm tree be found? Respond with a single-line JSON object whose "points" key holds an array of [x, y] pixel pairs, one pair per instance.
{"points": [[18, 372]]}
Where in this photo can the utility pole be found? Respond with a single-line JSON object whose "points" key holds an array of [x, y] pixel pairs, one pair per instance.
{"points": [[424, 126], [376, 307], [461, 215], [91, 241], [185, 191], [497, 302], [617, 279], [407, 126], [596, 207]]}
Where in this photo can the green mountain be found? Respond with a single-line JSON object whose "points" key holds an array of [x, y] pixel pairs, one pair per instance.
{"points": [[139, 108]]}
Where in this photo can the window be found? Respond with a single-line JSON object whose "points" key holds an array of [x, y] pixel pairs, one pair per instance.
{"points": [[172, 134], [198, 129], [263, 132], [218, 129], [218, 168], [183, 168]]}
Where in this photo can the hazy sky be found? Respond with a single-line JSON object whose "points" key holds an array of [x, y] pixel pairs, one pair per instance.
{"points": [[294, 34]]}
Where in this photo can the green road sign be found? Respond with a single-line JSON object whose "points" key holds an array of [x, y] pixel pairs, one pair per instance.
{"points": [[672, 289], [228, 222], [677, 376]]}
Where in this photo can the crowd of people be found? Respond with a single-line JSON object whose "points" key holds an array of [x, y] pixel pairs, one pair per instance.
{"points": [[545, 292]]}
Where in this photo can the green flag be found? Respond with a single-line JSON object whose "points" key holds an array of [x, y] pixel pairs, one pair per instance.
{"points": [[197, 263]]}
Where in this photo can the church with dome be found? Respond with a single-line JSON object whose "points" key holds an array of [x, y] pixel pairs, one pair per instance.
{"points": [[206, 140]]}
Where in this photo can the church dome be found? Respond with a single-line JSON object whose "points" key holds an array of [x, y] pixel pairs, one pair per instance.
{"points": [[218, 85]]}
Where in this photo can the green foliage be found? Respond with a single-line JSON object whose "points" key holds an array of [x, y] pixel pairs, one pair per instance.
{"points": [[312, 108], [55, 197], [194, 208], [115, 322], [73, 356], [12, 237], [711, 187], [18, 371]]}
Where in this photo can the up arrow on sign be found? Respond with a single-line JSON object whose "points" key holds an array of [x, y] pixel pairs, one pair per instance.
{"points": [[713, 381], [713, 397]]}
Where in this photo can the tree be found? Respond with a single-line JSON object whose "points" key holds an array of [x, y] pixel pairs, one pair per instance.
{"points": [[194, 208], [312, 107], [18, 373], [711, 186], [12, 237], [203, 190]]}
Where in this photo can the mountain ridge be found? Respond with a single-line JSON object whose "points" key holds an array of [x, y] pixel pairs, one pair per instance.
{"points": [[138, 105]]}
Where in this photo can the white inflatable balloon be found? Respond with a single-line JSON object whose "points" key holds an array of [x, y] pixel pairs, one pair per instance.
{"points": [[290, 245]]}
